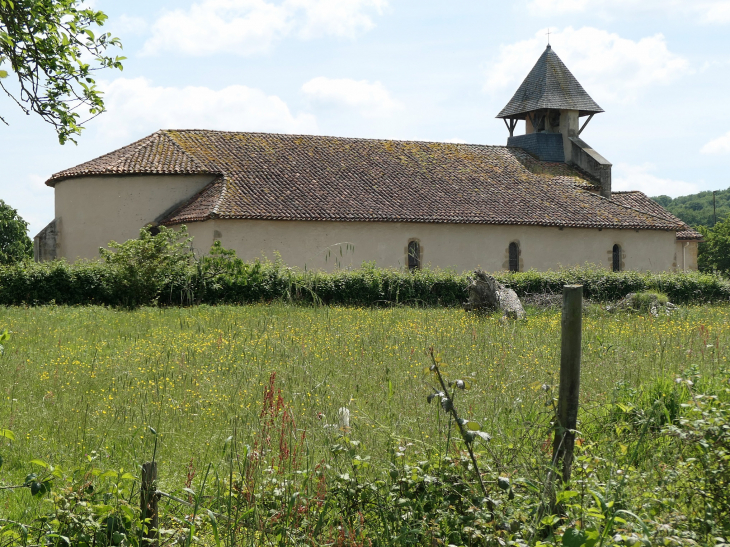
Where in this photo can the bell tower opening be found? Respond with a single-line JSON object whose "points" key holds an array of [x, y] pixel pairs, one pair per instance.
{"points": [[552, 102]]}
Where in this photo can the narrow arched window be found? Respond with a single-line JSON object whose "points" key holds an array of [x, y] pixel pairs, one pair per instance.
{"points": [[414, 255], [616, 255], [514, 257]]}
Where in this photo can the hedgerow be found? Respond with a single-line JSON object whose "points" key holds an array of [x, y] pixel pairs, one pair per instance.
{"points": [[95, 282], [162, 269]]}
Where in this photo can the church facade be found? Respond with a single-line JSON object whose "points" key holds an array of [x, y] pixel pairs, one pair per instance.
{"points": [[542, 202]]}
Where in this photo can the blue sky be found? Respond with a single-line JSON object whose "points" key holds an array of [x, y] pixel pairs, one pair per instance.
{"points": [[402, 69]]}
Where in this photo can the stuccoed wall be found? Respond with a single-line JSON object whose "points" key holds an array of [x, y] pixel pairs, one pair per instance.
{"points": [[91, 211], [44, 243], [685, 256], [326, 245]]}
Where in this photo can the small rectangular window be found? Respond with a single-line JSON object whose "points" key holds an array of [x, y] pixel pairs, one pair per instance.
{"points": [[414, 255], [514, 257], [616, 255]]}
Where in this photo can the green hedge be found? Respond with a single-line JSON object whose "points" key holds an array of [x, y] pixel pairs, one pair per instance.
{"points": [[97, 282], [604, 285]]}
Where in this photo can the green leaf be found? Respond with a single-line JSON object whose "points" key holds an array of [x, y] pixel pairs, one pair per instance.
{"points": [[638, 519], [566, 495], [40, 463], [127, 510], [574, 538], [214, 524], [592, 537], [39, 489], [472, 426], [3, 73], [7, 434]]}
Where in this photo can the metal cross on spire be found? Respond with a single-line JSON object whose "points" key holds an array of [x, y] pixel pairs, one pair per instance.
{"points": [[548, 35]]}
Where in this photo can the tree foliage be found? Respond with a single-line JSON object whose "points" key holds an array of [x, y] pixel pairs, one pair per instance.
{"points": [[697, 209], [49, 50], [15, 245], [145, 266], [714, 252]]}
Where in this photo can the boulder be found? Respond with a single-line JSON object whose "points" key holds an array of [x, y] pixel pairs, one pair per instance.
{"points": [[486, 293]]}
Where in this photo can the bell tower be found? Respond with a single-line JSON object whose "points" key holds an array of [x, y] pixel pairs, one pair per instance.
{"points": [[552, 102]]}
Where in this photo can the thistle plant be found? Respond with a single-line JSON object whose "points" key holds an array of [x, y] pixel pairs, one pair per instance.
{"points": [[468, 429]]}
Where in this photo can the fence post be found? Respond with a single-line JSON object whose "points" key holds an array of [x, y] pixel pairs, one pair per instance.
{"points": [[570, 354], [148, 495]]}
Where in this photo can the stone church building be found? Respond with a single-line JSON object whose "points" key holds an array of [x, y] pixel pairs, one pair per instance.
{"points": [[543, 201]]}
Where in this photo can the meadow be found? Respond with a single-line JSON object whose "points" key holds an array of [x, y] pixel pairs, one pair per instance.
{"points": [[114, 387]]}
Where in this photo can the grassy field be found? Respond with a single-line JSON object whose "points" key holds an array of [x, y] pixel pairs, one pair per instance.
{"points": [[88, 382]]}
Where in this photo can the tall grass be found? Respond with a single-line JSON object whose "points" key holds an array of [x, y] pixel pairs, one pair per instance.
{"points": [[88, 382]]}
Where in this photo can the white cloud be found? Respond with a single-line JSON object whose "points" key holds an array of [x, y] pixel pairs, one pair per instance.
{"points": [[706, 11], [126, 25], [720, 145], [715, 12], [609, 67], [136, 107], [639, 177], [370, 99], [247, 27], [244, 27], [345, 18]]}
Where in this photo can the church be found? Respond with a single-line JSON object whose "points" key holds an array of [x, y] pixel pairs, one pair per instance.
{"points": [[543, 201]]}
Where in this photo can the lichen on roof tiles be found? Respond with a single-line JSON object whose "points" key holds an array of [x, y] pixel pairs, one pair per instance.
{"points": [[549, 85], [303, 177]]}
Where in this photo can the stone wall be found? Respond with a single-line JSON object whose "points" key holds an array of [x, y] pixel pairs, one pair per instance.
{"points": [[45, 243], [592, 163]]}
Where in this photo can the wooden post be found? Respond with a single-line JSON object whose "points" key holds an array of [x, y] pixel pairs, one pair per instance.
{"points": [[149, 500], [570, 353]]}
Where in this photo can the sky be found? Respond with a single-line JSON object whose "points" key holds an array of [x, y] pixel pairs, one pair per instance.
{"points": [[401, 69]]}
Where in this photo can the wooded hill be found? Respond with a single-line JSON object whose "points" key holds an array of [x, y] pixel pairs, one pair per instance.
{"points": [[696, 209]]}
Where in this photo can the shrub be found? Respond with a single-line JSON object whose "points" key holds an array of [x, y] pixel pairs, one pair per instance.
{"points": [[142, 268], [644, 300], [162, 269]]}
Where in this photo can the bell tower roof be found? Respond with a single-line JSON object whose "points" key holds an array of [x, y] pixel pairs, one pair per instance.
{"points": [[549, 85]]}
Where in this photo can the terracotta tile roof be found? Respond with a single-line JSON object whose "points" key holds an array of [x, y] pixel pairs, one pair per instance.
{"points": [[549, 85], [690, 235], [297, 177], [155, 154], [641, 202]]}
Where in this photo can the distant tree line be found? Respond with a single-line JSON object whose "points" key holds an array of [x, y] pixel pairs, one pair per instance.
{"points": [[711, 220], [697, 209]]}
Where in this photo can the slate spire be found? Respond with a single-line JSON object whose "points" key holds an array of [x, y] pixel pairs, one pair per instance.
{"points": [[549, 85], [551, 101]]}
